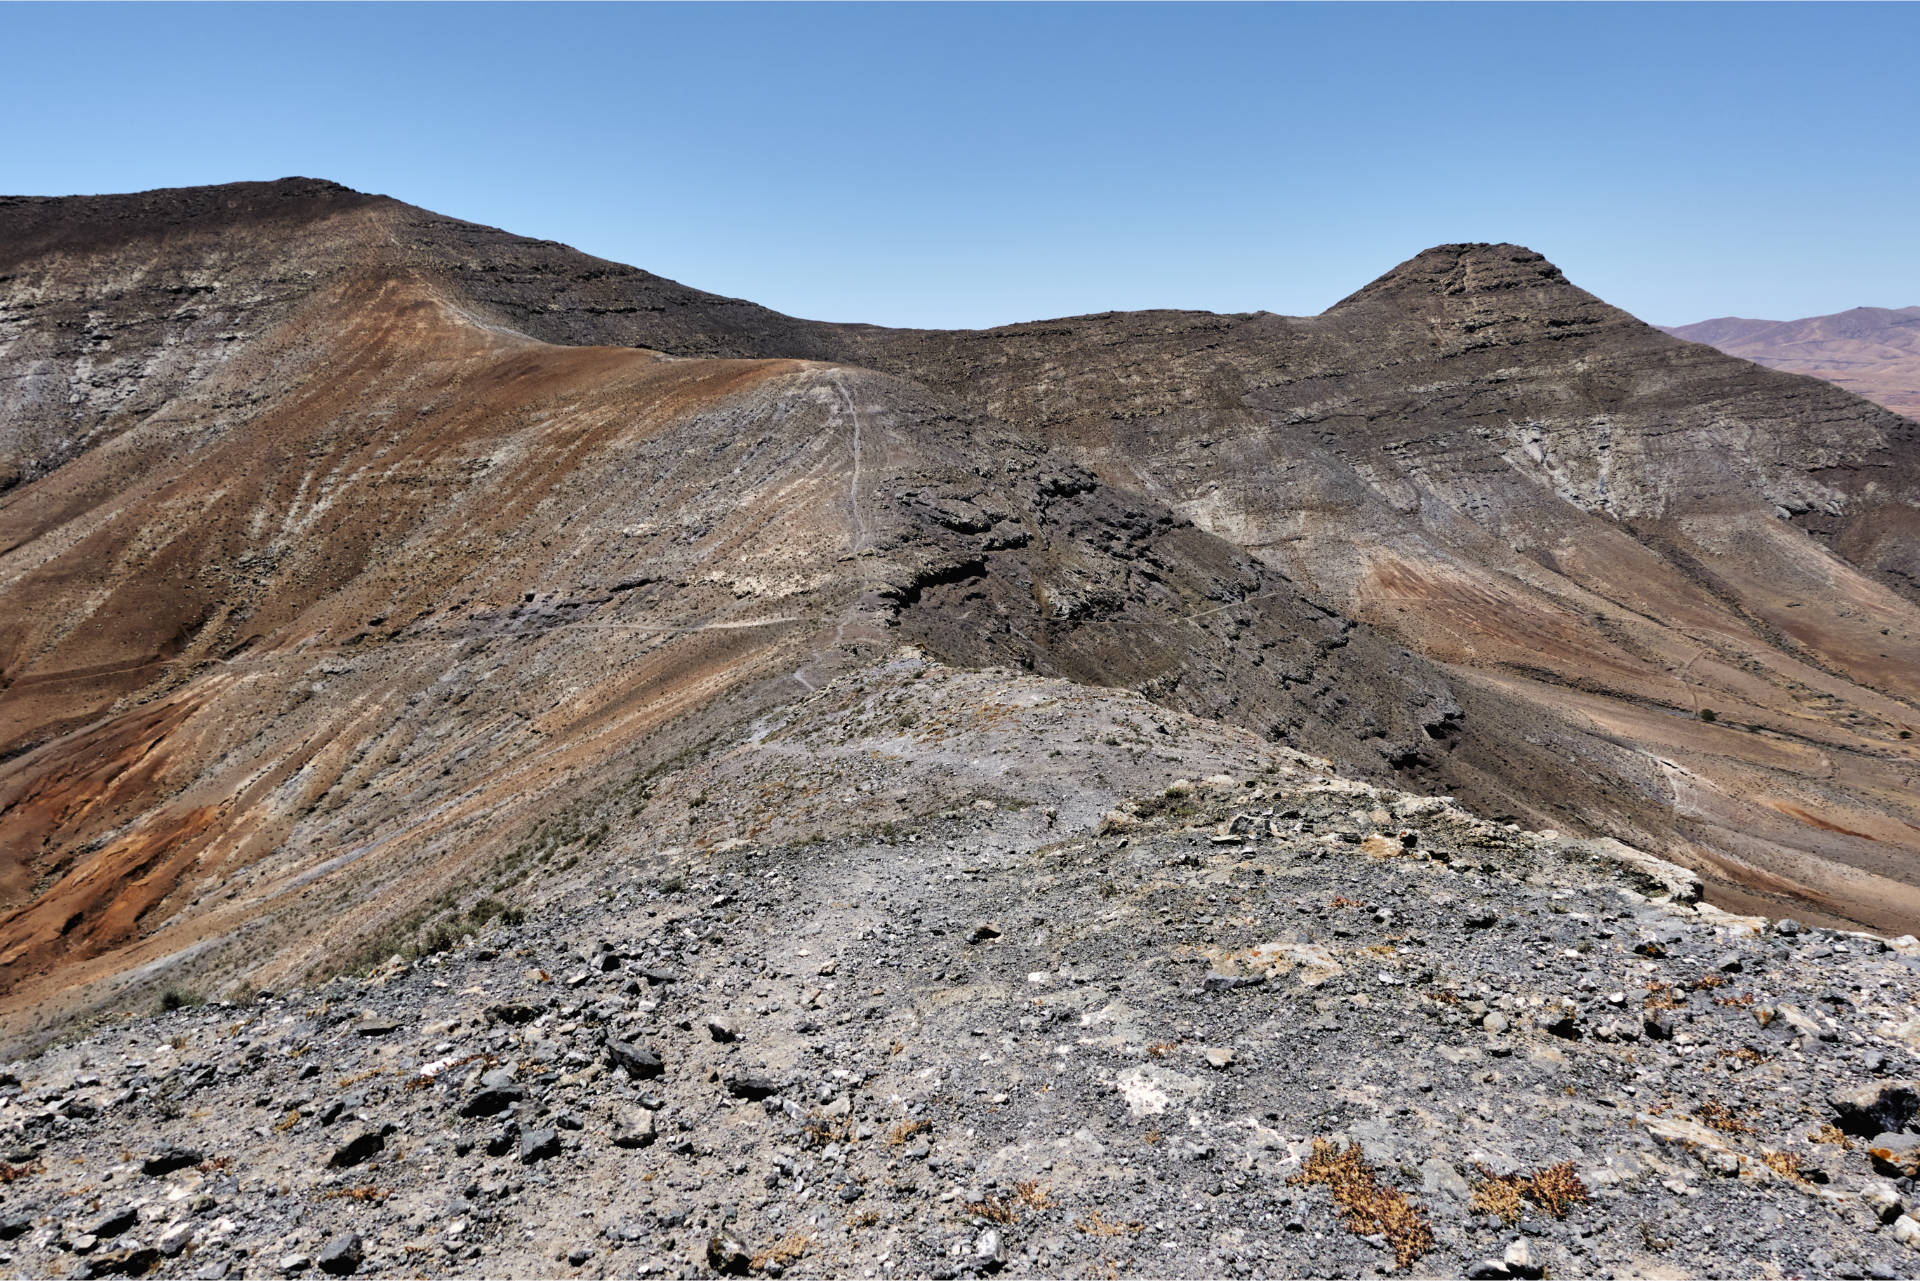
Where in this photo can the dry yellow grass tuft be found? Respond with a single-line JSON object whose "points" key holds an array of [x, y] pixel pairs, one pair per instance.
{"points": [[1784, 1164], [900, 1133], [1554, 1188], [1721, 1117], [1831, 1133], [1499, 1195], [786, 1250], [1370, 1207], [1095, 1226], [995, 1210], [1660, 996], [1034, 1195], [365, 1194]]}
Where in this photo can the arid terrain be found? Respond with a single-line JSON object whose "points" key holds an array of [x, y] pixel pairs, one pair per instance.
{"points": [[1871, 351], [931, 802]]}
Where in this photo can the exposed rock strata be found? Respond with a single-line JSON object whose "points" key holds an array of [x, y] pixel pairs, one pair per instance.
{"points": [[339, 565]]}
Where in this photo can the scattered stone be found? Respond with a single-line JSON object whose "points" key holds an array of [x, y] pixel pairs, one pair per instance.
{"points": [[114, 1222], [357, 1149], [538, 1145], [341, 1256], [988, 1252], [638, 1062], [1896, 1155], [728, 1256], [753, 1087], [1867, 1110], [1519, 1261], [634, 1128], [167, 1160], [174, 1238], [721, 1030]]}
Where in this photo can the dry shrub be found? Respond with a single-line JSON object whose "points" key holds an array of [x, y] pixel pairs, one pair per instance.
{"points": [[1370, 1208], [287, 1122], [1831, 1133], [824, 1130], [1707, 981], [786, 1250], [900, 1133], [1095, 1226], [995, 1210], [1557, 1189], [1034, 1195], [363, 1195], [1554, 1188], [1739, 1000], [1660, 997], [864, 1219], [1499, 1195], [1160, 1049], [9, 1173], [1721, 1117], [1784, 1164]]}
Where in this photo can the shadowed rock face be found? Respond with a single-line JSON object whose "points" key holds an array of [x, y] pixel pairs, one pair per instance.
{"points": [[1871, 351], [345, 545]]}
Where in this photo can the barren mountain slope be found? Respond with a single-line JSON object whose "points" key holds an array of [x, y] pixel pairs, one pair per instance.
{"points": [[1567, 509], [338, 566], [1605, 532], [308, 629], [1602, 531], [1871, 351]]}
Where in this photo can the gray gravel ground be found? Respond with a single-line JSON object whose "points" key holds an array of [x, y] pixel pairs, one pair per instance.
{"points": [[1020, 1036]]}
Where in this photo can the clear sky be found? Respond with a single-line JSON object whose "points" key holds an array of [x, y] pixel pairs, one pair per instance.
{"points": [[963, 165]]}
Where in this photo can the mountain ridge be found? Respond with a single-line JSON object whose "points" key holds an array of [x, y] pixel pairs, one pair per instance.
{"points": [[1470, 529], [1871, 351]]}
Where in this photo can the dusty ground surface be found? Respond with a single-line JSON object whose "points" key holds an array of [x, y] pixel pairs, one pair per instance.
{"points": [[1017, 1033]]}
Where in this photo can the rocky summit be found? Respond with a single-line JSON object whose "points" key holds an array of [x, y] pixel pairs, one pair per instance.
{"points": [[510, 765]]}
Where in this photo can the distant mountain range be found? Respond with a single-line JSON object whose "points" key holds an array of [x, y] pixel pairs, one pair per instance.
{"points": [[1871, 351]]}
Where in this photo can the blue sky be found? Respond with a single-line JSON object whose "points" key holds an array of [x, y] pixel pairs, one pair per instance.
{"points": [[963, 165]]}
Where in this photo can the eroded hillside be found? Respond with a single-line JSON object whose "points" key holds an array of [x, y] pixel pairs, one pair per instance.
{"points": [[348, 549]]}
